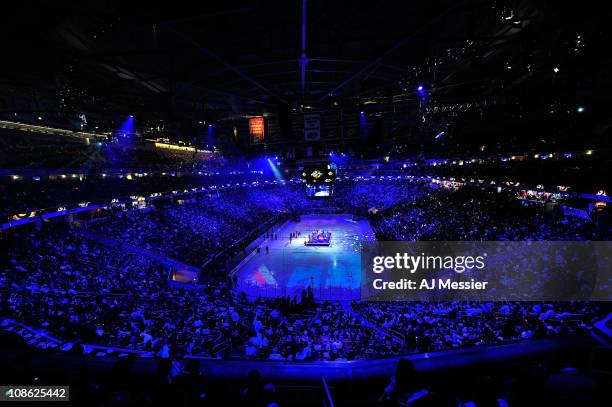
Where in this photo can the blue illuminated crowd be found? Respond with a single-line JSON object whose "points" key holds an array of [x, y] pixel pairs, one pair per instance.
{"points": [[86, 283]]}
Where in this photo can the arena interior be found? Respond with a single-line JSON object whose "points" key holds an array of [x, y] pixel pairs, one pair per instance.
{"points": [[187, 191]]}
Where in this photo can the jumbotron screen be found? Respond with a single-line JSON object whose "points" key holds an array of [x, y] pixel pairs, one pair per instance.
{"points": [[319, 180], [319, 190]]}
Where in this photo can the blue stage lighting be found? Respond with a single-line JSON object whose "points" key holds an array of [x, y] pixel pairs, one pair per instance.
{"points": [[420, 88], [277, 173], [363, 123]]}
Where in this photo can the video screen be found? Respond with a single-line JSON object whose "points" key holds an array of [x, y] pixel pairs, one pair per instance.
{"points": [[318, 190]]}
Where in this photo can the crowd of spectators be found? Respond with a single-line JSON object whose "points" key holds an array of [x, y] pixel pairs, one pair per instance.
{"points": [[85, 292], [60, 259], [469, 214], [24, 194], [44, 151], [584, 173], [196, 231], [65, 281], [436, 326]]}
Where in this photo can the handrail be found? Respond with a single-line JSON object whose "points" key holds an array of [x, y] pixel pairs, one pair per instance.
{"points": [[37, 332], [220, 347], [327, 401], [114, 349]]}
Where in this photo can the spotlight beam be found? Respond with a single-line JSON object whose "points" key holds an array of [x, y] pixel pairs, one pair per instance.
{"points": [[277, 173]]}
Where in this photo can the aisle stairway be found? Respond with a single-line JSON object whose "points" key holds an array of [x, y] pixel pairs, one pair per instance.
{"points": [[366, 322], [116, 244]]}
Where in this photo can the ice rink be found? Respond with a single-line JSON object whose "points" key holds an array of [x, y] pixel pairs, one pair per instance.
{"points": [[333, 272]]}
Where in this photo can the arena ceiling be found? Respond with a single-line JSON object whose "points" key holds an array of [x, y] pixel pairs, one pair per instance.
{"points": [[225, 59]]}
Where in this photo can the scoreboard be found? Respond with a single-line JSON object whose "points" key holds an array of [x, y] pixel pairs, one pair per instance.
{"points": [[319, 180]]}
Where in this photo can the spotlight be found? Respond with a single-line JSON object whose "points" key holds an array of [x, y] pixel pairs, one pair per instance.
{"points": [[132, 115], [362, 112], [39, 118], [556, 69], [580, 109], [420, 88]]}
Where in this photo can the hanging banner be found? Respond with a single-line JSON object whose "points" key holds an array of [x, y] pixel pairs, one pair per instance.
{"points": [[257, 129], [312, 127]]}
